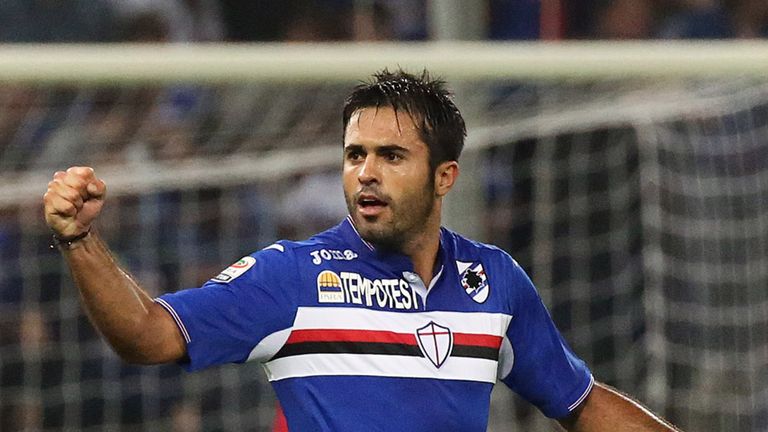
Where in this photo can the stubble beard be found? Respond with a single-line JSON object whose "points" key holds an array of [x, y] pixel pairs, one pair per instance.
{"points": [[407, 219]]}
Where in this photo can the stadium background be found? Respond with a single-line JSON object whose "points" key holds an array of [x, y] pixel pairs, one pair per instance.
{"points": [[639, 204]]}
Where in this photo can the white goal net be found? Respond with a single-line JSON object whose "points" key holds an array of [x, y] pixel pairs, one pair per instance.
{"points": [[630, 181]]}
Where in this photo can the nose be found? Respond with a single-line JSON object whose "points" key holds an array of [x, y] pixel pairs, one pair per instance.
{"points": [[369, 171]]}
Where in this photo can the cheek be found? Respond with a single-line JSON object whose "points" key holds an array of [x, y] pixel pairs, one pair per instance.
{"points": [[348, 176], [413, 187]]}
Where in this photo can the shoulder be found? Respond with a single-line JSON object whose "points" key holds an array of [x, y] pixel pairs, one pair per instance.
{"points": [[505, 276], [325, 246], [466, 249], [329, 238]]}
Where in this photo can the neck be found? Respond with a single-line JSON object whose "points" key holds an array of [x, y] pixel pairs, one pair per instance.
{"points": [[422, 248]]}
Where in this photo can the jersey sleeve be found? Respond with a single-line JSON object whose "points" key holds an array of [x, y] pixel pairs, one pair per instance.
{"points": [[225, 319], [544, 370]]}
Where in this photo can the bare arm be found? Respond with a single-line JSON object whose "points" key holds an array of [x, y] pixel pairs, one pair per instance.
{"points": [[139, 329], [607, 410]]}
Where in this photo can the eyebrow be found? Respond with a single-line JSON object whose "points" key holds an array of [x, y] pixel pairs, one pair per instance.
{"points": [[379, 149]]}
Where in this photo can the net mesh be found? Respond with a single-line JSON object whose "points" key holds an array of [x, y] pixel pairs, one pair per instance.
{"points": [[710, 262], [638, 207], [646, 235]]}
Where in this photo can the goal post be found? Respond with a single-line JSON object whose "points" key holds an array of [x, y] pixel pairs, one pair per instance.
{"points": [[308, 62], [629, 179]]}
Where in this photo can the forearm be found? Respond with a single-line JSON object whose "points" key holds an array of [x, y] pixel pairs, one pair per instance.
{"points": [[607, 410], [113, 301]]}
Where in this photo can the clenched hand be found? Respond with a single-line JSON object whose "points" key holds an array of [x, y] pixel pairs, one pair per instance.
{"points": [[73, 201]]}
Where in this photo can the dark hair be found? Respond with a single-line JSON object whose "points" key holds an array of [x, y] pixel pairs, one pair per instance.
{"points": [[425, 99]]}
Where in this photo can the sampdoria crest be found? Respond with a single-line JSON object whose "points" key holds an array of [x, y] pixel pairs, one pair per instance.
{"points": [[474, 280]]}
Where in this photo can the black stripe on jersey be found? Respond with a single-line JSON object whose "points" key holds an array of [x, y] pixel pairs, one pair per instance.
{"points": [[475, 352], [301, 348]]}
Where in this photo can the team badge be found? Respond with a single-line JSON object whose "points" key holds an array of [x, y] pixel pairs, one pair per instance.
{"points": [[235, 270], [329, 288], [436, 342], [474, 280]]}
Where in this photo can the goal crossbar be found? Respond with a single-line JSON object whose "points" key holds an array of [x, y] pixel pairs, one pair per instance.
{"points": [[273, 62]]}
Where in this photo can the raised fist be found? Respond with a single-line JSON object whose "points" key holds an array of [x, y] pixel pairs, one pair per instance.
{"points": [[73, 200]]}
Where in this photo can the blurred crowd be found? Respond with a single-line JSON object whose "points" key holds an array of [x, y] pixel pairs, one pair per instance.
{"points": [[358, 20], [667, 19]]}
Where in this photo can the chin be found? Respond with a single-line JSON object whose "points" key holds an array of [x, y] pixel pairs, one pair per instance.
{"points": [[368, 227], [370, 230], [369, 221]]}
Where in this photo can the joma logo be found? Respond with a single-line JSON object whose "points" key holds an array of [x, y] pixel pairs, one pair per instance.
{"points": [[321, 255]]}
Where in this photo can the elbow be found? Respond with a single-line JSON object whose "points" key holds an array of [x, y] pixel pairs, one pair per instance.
{"points": [[148, 340], [135, 357], [147, 354], [139, 351], [152, 342]]}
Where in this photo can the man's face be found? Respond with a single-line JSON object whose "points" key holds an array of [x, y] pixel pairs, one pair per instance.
{"points": [[388, 185]]}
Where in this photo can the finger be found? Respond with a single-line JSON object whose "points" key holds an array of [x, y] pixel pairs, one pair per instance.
{"points": [[77, 181], [85, 173], [60, 207], [97, 188], [68, 193]]}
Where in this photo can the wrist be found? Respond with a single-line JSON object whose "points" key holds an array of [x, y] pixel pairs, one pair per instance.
{"points": [[70, 242]]}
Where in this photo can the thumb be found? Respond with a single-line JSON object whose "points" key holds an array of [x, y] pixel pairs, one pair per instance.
{"points": [[97, 188]]}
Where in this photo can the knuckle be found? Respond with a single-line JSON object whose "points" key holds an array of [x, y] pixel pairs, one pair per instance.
{"points": [[80, 171], [73, 173], [51, 198]]}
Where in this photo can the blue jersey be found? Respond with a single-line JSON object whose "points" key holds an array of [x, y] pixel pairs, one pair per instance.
{"points": [[352, 339]]}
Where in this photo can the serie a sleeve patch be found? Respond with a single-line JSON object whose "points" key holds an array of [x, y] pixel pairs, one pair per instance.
{"points": [[235, 270]]}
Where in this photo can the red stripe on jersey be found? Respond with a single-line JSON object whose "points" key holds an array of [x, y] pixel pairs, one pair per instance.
{"points": [[343, 335], [336, 335], [482, 340]]}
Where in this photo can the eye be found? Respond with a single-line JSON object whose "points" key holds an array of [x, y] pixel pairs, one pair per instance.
{"points": [[393, 157], [354, 155]]}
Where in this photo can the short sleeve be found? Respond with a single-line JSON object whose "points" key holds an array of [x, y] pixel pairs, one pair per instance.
{"points": [[544, 371], [225, 319]]}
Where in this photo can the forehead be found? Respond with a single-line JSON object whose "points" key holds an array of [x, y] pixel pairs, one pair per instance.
{"points": [[382, 125]]}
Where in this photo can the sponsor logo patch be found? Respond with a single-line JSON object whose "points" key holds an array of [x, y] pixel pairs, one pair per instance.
{"points": [[474, 280], [329, 288], [235, 270], [436, 342], [354, 288]]}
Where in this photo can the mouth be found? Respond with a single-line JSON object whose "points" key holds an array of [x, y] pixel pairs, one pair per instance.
{"points": [[369, 205]]}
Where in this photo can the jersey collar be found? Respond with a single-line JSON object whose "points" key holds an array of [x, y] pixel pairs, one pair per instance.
{"points": [[357, 239]]}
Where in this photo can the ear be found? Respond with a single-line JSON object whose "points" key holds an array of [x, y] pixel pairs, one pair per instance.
{"points": [[445, 177]]}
